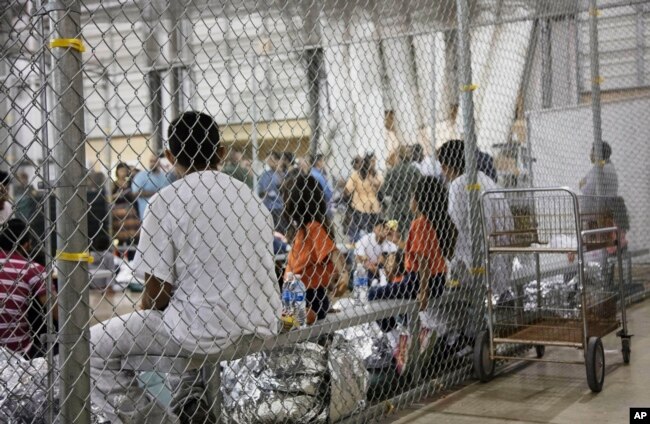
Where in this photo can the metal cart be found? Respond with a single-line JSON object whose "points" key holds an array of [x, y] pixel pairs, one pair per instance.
{"points": [[551, 221]]}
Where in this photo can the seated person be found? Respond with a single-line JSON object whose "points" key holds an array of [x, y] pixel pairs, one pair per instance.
{"points": [[205, 253], [24, 290], [394, 267], [313, 254], [371, 248], [430, 239]]}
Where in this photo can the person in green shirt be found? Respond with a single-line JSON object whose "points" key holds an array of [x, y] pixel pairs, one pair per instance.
{"points": [[397, 190], [234, 167]]}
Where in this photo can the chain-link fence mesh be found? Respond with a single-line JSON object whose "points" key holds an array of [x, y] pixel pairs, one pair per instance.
{"points": [[269, 211]]}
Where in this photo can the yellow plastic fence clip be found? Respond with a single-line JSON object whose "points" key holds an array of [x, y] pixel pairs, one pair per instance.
{"points": [[68, 43], [453, 283], [389, 407], [477, 271], [602, 163], [473, 187], [594, 12], [470, 87], [74, 257], [599, 80]]}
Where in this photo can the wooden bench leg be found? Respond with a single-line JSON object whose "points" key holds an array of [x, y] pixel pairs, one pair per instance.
{"points": [[211, 374]]}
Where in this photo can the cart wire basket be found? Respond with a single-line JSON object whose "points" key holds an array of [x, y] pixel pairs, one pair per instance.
{"points": [[577, 315]]}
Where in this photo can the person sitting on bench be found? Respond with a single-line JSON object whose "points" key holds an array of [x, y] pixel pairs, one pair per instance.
{"points": [[205, 253]]}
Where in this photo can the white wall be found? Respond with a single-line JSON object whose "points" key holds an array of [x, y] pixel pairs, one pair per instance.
{"points": [[561, 140]]}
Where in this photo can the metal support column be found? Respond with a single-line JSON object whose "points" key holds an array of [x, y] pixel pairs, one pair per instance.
{"points": [[547, 64], [152, 48], [314, 58], [314, 77], [5, 43], [467, 106], [640, 45], [178, 39], [596, 80], [67, 120]]}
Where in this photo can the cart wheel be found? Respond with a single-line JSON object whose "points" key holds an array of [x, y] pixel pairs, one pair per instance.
{"points": [[483, 364], [540, 350], [626, 349], [595, 361]]}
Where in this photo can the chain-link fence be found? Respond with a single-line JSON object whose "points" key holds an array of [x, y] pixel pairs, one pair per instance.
{"points": [[269, 211]]}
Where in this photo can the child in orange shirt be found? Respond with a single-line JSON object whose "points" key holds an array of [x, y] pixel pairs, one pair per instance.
{"points": [[431, 237], [313, 254]]}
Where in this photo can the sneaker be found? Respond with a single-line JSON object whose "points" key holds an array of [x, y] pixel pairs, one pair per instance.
{"points": [[195, 411]]}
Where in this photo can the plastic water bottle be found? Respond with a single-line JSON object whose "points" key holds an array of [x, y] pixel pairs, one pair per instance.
{"points": [[361, 284], [299, 301], [287, 296]]}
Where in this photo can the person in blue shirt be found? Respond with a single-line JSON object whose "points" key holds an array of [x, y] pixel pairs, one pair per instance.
{"points": [[268, 188], [147, 183], [318, 172]]}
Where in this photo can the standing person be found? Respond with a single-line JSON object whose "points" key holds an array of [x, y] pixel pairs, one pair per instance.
{"points": [[372, 248], [610, 177], [431, 238], [6, 207], [317, 170], [398, 189], [427, 165], [235, 168], [268, 188], [496, 214], [313, 254], [363, 188], [206, 259], [126, 222], [121, 191], [147, 183], [22, 282]]}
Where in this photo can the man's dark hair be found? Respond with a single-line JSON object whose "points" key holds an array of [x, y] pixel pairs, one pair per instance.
{"points": [[314, 159], [5, 179], [14, 233], [606, 150], [417, 153], [194, 140], [452, 155]]}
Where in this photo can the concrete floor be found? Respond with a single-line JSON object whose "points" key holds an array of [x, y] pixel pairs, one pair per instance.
{"points": [[552, 393]]}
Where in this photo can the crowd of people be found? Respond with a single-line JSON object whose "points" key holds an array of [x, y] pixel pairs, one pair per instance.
{"points": [[205, 247]]}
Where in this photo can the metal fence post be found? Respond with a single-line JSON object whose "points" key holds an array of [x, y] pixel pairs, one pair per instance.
{"points": [[596, 80], [467, 106], [5, 134], [152, 17], [67, 120]]}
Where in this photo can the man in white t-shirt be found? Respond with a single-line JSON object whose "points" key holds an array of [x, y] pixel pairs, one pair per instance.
{"points": [[371, 248], [205, 254], [452, 159]]}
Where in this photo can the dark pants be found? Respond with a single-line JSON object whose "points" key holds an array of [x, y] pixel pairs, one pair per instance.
{"points": [[318, 301], [406, 289], [361, 223]]}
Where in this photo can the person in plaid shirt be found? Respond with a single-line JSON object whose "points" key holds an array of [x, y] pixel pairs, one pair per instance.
{"points": [[22, 282]]}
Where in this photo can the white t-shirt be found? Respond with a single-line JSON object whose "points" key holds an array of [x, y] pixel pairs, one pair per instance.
{"points": [[6, 211], [370, 248], [495, 213], [429, 167], [210, 237]]}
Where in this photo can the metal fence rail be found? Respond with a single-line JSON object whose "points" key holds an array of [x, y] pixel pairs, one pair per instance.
{"points": [[279, 201]]}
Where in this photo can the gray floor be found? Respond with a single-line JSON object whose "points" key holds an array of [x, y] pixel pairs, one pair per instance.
{"points": [[552, 393]]}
